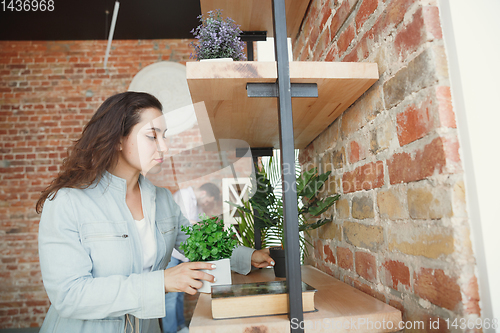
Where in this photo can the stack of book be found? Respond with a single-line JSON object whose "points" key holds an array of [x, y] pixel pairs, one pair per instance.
{"points": [[256, 299]]}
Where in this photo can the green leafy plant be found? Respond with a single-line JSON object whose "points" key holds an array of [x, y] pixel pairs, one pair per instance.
{"points": [[265, 207], [208, 240], [245, 226]]}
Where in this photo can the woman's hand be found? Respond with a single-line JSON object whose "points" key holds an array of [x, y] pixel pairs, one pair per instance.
{"points": [[261, 258], [186, 277]]}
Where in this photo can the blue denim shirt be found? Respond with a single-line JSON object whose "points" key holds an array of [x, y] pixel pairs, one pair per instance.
{"points": [[91, 258]]}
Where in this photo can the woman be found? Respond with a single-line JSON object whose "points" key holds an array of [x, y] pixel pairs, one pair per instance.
{"points": [[106, 233]]}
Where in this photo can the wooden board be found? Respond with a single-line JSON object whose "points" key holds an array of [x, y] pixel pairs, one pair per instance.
{"points": [[233, 115], [256, 15], [339, 305]]}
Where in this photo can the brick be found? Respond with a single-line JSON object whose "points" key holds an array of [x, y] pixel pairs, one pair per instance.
{"points": [[322, 44], [451, 150], [415, 122], [318, 249], [329, 256], [391, 204], [362, 207], [346, 38], [410, 36], [345, 258], [364, 110], [332, 185], [359, 52], [381, 136], [389, 19], [432, 22], [338, 158], [420, 73], [445, 107], [354, 152], [365, 236], [396, 275], [438, 288], [326, 14], [331, 230], [326, 163], [471, 293], [369, 290], [365, 177], [366, 265], [365, 10], [339, 17], [459, 206], [327, 140], [426, 202], [327, 270], [421, 241], [359, 149], [313, 37], [332, 53], [403, 167], [342, 207]]}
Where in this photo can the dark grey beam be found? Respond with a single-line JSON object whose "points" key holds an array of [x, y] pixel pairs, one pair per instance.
{"points": [[257, 89], [254, 36], [290, 209], [262, 151]]}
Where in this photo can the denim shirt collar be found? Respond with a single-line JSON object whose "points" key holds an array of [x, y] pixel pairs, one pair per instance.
{"points": [[120, 184]]}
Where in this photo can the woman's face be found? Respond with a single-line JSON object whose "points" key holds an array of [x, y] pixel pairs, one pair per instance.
{"points": [[144, 147]]}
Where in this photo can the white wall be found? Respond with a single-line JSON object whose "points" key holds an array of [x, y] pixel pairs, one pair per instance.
{"points": [[472, 37]]}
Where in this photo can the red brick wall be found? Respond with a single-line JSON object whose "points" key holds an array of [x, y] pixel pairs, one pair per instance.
{"points": [[48, 91], [401, 232]]}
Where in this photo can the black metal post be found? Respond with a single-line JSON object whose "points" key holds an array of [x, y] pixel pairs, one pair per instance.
{"points": [[250, 50], [290, 210], [257, 234]]}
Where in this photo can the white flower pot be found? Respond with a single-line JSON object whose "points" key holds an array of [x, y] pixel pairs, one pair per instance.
{"points": [[222, 274], [216, 60]]}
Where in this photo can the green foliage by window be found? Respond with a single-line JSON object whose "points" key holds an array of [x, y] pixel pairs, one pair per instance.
{"points": [[265, 207], [208, 240]]}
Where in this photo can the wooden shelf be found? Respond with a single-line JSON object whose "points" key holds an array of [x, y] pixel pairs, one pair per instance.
{"points": [[337, 304], [233, 115], [249, 14]]}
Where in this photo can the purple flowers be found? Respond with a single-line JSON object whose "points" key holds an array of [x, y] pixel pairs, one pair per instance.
{"points": [[217, 38]]}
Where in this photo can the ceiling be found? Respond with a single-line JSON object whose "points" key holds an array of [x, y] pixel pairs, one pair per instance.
{"points": [[87, 20]]}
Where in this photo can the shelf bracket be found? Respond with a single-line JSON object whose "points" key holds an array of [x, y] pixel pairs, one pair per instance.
{"points": [[271, 90], [252, 36]]}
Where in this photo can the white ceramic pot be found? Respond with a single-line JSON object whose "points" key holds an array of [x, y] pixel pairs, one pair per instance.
{"points": [[222, 274], [216, 59]]}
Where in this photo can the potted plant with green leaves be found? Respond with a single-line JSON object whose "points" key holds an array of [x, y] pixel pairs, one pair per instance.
{"points": [[217, 38], [209, 242], [265, 208]]}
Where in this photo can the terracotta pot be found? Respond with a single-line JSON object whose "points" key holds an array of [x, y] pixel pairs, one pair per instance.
{"points": [[278, 255], [222, 274]]}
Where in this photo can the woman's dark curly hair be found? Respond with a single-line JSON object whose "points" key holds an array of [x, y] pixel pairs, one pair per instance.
{"points": [[97, 149]]}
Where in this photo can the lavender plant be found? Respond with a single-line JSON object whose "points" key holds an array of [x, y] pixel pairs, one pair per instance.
{"points": [[217, 38]]}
